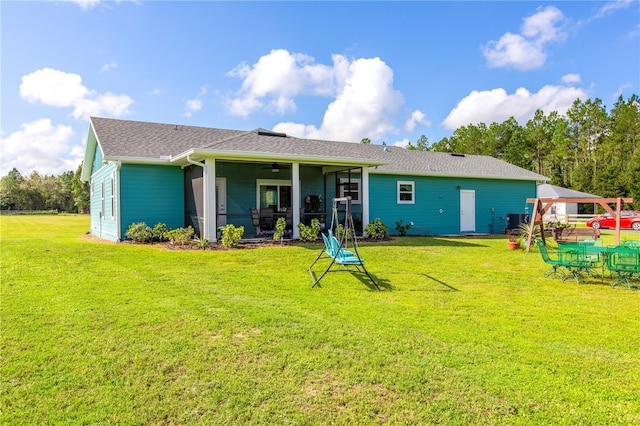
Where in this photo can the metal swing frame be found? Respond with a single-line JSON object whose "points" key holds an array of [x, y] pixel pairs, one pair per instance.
{"points": [[339, 250]]}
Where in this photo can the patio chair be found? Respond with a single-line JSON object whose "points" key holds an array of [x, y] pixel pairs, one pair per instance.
{"points": [[255, 220], [555, 263], [266, 219], [625, 262], [574, 259]]}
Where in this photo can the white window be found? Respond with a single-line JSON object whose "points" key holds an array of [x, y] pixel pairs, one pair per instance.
{"points": [[274, 194], [113, 197], [102, 198], [350, 188], [406, 192]]}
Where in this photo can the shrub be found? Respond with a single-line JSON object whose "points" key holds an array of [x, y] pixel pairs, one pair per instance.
{"points": [[139, 232], [160, 232], [377, 230], [309, 233], [340, 232], [231, 235], [181, 235], [401, 229], [201, 242], [281, 226]]}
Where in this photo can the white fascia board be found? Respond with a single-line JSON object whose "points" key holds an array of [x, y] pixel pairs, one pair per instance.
{"points": [[89, 153], [140, 160], [270, 156], [373, 171]]}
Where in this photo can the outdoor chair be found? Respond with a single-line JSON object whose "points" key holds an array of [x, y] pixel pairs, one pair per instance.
{"points": [[625, 262], [341, 255], [255, 220], [574, 259], [555, 263], [266, 219]]}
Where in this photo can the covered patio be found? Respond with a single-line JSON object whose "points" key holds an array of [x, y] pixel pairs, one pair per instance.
{"points": [[253, 194]]}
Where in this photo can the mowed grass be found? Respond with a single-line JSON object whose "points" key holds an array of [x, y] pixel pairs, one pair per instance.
{"points": [[464, 332]]}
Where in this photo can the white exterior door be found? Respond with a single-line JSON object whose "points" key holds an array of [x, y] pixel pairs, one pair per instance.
{"points": [[467, 210], [221, 201]]}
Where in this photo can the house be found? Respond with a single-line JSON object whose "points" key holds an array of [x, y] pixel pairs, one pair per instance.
{"points": [[204, 177], [564, 211]]}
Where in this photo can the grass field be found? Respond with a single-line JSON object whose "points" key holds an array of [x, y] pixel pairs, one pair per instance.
{"points": [[464, 332]]}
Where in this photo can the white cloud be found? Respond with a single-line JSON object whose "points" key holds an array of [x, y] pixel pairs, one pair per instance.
{"points": [[497, 105], [571, 78], [277, 78], [195, 104], [527, 50], [40, 146], [613, 6], [417, 117], [111, 65], [404, 143], [85, 4], [61, 89], [620, 90], [364, 104]]}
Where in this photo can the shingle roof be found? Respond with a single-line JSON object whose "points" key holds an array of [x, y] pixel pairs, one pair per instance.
{"points": [[552, 191], [121, 139]]}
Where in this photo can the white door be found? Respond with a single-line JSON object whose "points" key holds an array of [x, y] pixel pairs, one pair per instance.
{"points": [[467, 210], [221, 198]]}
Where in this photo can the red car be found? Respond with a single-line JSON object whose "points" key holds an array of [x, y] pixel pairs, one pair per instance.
{"points": [[628, 219]]}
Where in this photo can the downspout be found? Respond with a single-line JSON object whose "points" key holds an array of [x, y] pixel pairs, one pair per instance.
{"points": [[195, 163], [117, 187]]}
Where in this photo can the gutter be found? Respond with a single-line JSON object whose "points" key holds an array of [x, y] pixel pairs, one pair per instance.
{"points": [[271, 156], [195, 163]]}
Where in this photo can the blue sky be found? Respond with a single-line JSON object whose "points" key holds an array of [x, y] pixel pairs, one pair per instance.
{"points": [[389, 71]]}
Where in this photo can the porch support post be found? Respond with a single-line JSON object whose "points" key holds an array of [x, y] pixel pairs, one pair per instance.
{"points": [[365, 196], [210, 202], [295, 198]]}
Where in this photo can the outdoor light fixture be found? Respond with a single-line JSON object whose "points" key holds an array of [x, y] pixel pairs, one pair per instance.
{"points": [[275, 168]]}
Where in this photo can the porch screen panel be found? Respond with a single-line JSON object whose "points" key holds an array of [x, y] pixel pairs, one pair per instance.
{"points": [[285, 197]]}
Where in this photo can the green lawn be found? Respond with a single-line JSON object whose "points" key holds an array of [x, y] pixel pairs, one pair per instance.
{"points": [[465, 332]]}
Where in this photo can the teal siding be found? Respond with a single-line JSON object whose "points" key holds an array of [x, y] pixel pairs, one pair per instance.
{"points": [[151, 194], [241, 187], [103, 222], [437, 202], [97, 160]]}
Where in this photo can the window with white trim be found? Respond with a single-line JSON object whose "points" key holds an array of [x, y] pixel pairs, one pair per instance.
{"points": [[406, 192], [102, 198], [113, 197], [350, 188]]}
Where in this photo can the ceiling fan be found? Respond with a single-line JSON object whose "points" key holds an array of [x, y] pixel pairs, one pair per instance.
{"points": [[276, 167]]}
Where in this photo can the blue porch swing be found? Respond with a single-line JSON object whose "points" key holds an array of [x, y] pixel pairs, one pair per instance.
{"points": [[338, 250]]}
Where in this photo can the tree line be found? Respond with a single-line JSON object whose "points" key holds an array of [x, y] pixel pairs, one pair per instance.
{"points": [[589, 149], [63, 193]]}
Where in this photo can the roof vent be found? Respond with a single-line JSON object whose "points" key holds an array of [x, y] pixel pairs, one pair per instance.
{"points": [[453, 154], [386, 149], [270, 133]]}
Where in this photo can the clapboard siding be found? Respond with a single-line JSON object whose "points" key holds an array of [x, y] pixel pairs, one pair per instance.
{"points": [[436, 209], [151, 194], [103, 222]]}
